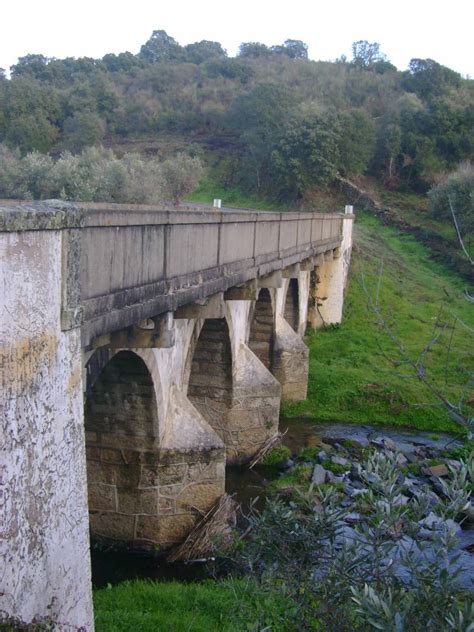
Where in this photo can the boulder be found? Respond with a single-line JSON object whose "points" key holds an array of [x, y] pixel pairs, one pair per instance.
{"points": [[319, 475], [435, 470]]}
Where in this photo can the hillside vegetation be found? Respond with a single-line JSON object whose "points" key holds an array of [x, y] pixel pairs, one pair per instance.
{"points": [[268, 120]]}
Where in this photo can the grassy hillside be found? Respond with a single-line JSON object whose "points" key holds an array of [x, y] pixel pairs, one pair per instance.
{"points": [[357, 372]]}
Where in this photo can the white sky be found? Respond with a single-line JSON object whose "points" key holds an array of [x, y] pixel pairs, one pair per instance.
{"points": [[404, 28]]}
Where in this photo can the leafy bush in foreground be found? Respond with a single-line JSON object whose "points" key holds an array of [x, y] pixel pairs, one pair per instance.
{"points": [[388, 562]]}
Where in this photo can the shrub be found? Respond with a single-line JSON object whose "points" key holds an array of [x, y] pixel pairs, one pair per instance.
{"points": [[277, 456], [97, 174]]}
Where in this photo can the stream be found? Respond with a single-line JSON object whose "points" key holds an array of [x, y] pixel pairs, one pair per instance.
{"points": [[249, 487]]}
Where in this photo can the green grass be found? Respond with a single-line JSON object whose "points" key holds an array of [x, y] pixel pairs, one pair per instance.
{"points": [[233, 197], [227, 606], [357, 373], [277, 456]]}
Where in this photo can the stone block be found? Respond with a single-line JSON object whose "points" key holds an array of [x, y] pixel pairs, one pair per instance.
{"points": [[174, 529], [200, 496], [162, 475], [138, 501], [112, 525], [166, 506], [170, 491], [102, 497], [112, 474]]}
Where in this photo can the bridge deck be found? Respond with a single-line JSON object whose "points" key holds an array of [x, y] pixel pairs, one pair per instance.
{"points": [[124, 263]]}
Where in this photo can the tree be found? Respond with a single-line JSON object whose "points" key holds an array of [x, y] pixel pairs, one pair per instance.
{"points": [[31, 131], [181, 175], [366, 54], [259, 117], [35, 65], [253, 49], [161, 47], [294, 49], [308, 154], [388, 148], [83, 129], [204, 51], [357, 142], [429, 79], [123, 62]]}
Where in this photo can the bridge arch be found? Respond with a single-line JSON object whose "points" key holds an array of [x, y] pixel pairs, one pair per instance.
{"points": [[262, 328], [209, 366], [292, 304], [122, 424]]}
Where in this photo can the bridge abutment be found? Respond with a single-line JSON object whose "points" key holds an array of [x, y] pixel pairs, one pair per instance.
{"points": [[44, 537]]}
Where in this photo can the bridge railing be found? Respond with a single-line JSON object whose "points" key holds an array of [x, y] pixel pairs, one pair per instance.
{"points": [[153, 260]]}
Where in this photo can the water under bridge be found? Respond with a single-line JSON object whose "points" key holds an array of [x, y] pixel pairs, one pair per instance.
{"points": [[142, 349]]}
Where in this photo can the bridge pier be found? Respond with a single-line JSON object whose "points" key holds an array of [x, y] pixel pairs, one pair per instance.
{"points": [[291, 355], [329, 279]]}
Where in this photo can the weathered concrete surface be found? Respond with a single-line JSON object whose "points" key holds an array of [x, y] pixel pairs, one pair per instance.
{"points": [[255, 405], [290, 354], [329, 282], [290, 364], [44, 539]]}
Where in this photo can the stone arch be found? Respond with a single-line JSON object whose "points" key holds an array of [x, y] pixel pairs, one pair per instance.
{"points": [[120, 398], [291, 308], [262, 328], [122, 436], [210, 373]]}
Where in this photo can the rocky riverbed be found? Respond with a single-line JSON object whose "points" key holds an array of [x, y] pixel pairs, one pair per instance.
{"points": [[429, 470]]}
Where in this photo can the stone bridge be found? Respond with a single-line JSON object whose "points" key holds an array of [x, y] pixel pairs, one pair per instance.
{"points": [[142, 349]]}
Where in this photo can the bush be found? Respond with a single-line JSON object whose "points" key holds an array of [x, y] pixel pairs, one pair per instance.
{"points": [[97, 174], [277, 456], [456, 192], [377, 573]]}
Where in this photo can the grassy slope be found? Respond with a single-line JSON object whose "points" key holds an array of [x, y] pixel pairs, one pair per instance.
{"points": [[354, 374]]}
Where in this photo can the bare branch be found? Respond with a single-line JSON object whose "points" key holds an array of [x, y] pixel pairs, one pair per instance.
{"points": [[471, 261]]}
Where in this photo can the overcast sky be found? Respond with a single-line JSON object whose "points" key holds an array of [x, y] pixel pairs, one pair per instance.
{"points": [[404, 28]]}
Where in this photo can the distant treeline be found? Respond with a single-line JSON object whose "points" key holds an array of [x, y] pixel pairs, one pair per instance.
{"points": [[268, 120]]}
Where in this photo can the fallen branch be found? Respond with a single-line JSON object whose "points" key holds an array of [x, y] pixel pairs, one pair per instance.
{"points": [[271, 443], [211, 535]]}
